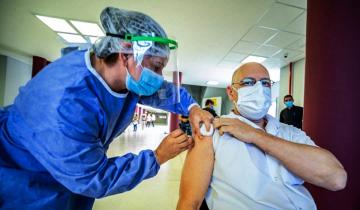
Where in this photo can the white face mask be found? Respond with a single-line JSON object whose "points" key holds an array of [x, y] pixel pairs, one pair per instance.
{"points": [[253, 101]]}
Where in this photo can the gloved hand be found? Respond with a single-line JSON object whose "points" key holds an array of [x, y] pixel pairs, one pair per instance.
{"points": [[172, 145]]}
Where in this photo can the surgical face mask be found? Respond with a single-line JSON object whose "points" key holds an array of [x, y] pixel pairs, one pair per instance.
{"points": [[253, 101], [147, 85], [289, 104]]}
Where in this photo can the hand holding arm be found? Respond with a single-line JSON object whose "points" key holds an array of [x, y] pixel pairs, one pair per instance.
{"points": [[313, 164], [197, 116]]}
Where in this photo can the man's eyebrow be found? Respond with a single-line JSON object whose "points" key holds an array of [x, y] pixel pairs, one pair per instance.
{"points": [[265, 78], [248, 78]]}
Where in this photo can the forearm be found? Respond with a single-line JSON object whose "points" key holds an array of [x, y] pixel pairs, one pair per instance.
{"points": [[186, 103], [313, 164], [168, 99], [125, 172], [196, 175]]}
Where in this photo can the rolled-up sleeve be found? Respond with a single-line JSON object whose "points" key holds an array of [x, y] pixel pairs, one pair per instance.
{"points": [[299, 136]]}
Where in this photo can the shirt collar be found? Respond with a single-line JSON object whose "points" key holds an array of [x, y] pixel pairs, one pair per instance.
{"points": [[271, 127], [241, 118]]}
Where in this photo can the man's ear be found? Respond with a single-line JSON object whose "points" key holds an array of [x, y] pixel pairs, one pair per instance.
{"points": [[230, 93]]}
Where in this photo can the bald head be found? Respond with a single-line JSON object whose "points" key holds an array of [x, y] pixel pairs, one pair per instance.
{"points": [[252, 69]]}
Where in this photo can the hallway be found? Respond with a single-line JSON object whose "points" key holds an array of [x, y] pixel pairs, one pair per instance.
{"points": [[157, 193]]}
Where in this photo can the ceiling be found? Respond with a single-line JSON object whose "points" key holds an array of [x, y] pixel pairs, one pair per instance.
{"points": [[213, 36]]}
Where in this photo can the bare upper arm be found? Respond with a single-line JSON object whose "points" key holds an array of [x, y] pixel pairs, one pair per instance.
{"points": [[196, 174]]}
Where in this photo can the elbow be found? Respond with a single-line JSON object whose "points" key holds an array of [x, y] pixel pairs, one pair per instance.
{"points": [[89, 189], [99, 195], [188, 204], [334, 181], [339, 180], [89, 192]]}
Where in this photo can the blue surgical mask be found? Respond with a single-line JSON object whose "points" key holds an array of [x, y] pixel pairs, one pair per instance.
{"points": [[289, 104], [147, 85]]}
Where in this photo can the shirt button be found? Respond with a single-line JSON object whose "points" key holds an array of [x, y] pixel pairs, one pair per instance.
{"points": [[276, 179]]}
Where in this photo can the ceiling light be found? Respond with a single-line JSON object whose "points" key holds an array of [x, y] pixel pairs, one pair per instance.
{"points": [[212, 82], [72, 38], [252, 58], [57, 24], [93, 39], [86, 28]]}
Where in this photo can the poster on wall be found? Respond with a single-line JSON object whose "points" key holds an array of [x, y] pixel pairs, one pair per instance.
{"points": [[217, 104], [161, 118]]}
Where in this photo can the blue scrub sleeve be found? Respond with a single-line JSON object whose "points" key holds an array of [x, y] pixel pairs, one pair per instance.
{"points": [[67, 145], [166, 99]]}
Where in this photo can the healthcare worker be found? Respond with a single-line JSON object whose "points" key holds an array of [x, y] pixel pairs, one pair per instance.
{"points": [[54, 138]]}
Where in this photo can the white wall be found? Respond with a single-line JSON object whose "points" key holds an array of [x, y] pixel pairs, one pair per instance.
{"points": [[297, 85], [2, 78], [299, 82], [17, 74], [274, 96], [284, 88]]}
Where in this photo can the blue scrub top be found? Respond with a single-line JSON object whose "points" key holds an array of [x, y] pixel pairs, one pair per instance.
{"points": [[53, 139]]}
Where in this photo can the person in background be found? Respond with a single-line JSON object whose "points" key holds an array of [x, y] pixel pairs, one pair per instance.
{"points": [[209, 106], [148, 120], [291, 115], [143, 120], [153, 119], [135, 122], [184, 124]]}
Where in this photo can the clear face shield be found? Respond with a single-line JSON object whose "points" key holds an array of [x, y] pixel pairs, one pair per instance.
{"points": [[151, 55]]}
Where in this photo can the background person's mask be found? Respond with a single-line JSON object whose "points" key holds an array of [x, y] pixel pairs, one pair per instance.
{"points": [[289, 104], [254, 101]]}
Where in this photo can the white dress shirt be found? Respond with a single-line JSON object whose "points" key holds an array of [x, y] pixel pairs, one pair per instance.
{"points": [[244, 177]]}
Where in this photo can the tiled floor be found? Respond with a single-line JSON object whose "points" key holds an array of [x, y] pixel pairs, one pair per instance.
{"points": [[157, 193]]}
